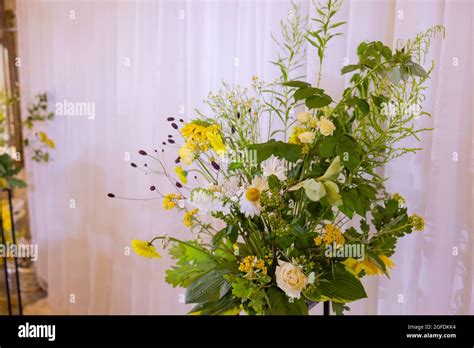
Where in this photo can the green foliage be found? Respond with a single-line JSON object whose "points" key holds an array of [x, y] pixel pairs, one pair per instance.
{"points": [[337, 285], [8, 172], [281, 305], [192, 263], [290, 152]]}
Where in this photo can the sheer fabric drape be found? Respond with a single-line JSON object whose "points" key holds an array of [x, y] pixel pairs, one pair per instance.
{"points": [[139, 62]]}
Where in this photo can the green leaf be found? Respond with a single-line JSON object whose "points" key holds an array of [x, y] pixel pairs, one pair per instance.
{"points": [[210, 287], [290, 152], [274, 183], [226, 305], [299, 84], [280, 304], [394, 75], [348, 68], [318, 101], [341, 286], [347, 150], [327, 146], [417, 70], [304, 93], [192, 263], [362, 105], [235, 166]]}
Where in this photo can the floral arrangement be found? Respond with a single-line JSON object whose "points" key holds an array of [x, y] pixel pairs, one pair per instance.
{"points": [[279, 184]]}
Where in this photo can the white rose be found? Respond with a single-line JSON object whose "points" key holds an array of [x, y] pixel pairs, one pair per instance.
{"points": [[303, 117], [290, 279], [326, 127], [306, 137]]}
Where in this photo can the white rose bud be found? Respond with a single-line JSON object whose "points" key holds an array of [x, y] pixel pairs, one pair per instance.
{"points": [[290, 279], [326, 127], [306, 137], [303, 117]]}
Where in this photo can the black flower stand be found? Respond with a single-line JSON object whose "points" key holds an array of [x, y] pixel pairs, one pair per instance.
{"points": [[5, 255]]}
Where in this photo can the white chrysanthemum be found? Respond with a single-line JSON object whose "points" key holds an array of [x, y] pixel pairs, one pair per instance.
{"points": [[208, 203], [250, 199], [274, 166]]}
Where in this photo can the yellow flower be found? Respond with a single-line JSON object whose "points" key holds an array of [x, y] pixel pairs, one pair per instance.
{"points": [[188, 217], [333, 235], [294, 136], [186, 155], [251, 263], [318, 241], [145, 249], [169, 201], [368, 266], [45, 140], [7, 224], [182, 174], [195, 135], [215, 139], [417, 222], [3, 183], [326, 127]]}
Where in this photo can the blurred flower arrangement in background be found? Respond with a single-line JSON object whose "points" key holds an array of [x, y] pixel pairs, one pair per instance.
{"points": [[289, 210]]}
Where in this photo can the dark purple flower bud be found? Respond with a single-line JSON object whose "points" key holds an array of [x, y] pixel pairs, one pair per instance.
{"points": [[181, 120], [215, 165], [174, 125], [178, 185], [111, 195], [171, 141], [142, 152], [152, 188], [164, 142], [232, 129], [170, 119], [170, 136], [177, 160], [238, 115], [133, 165]]}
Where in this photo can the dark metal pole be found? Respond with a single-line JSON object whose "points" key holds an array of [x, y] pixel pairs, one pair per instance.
{"points": [[326, 307], [5, 266], [10, 204]]}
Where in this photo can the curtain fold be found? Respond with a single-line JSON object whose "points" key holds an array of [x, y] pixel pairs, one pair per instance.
{"points": [[139, 62]]}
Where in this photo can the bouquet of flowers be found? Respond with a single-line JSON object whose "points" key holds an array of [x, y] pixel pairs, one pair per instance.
{"points": [[280, 185]]}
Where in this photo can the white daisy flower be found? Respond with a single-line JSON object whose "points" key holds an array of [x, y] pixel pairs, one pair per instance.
{"points": [[208, 203], [274, 166], [250, 199]]}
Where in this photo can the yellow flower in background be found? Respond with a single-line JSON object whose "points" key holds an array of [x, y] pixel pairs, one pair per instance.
{"points": [[333, 235], [3, 183], [182, 174], [45, 140], [188, 218], [417, 222], [294, 136], [6, 221], [186, 155], [169, 201], [326, 127], [145, 249], [368, 266]]}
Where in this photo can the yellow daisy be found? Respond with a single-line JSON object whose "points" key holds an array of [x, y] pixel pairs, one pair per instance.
{"points": [[145, 249]]}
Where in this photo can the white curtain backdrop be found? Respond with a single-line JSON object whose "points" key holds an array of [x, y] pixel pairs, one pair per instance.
{"points": [[140, 62]]}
